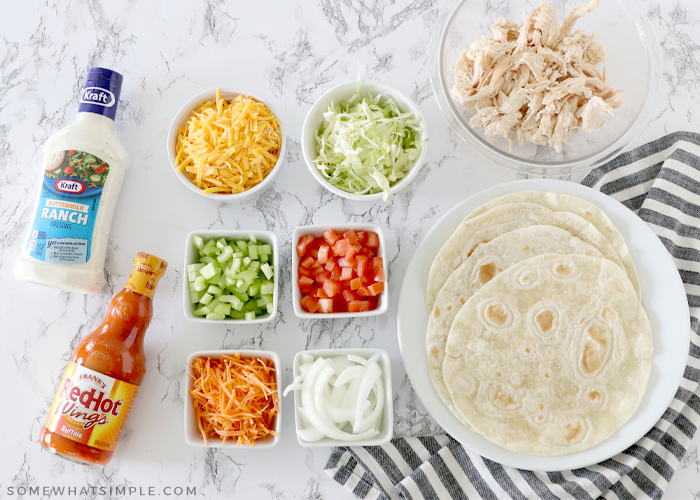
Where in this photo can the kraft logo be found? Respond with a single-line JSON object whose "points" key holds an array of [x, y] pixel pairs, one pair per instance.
{"points": [[73, 187], [96, 95]]}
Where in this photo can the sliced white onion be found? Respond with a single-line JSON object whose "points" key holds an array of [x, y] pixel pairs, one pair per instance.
{"points": [[305, 358], [350, 399], [373, 419], [349, 374], [294, 386], [337, 395], [357, 359], [371, 376]]}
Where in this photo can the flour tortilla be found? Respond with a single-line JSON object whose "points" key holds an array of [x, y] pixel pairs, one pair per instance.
{"points": [[551, 356], [487, 261], [569, 203], [483, 228]]}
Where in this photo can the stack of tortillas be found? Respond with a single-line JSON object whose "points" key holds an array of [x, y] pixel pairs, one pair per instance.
{"points": [[537, 338]]}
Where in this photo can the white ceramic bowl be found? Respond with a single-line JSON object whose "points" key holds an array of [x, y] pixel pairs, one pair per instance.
{"points": [[192, 255], [181, 118], [386, 426], [192, 434], [314, 120], [317, 230]]}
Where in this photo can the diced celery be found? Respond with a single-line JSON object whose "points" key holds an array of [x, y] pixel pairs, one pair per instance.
{"points": [[221, 243], [195, 296], [222, 282], [243, 297], [237, 255], [267, 299], [191, 276], [247, 275], [252, 238], [214, 290], [208, 271], [267, 288], [248, 316], [246, 261], [267, 270], [253, 252], [214, 280], [208, 260], [254, 265], [253, 289], [264, 249], [241, 244], [208, 245], [224, 309], [215, 316], [237, 315], [270, 308], [225, 254], [191, 287], [195, 267], [263, 258], [206, 298], [197, 242], [212, 305], [202, 311], [200, 284]]}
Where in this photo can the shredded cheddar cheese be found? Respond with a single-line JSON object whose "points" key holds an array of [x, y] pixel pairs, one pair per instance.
{"points": [[228, 146], [235, 398]]}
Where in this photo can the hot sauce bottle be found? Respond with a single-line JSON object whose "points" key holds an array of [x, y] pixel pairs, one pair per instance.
{"points": [[104, 374]]}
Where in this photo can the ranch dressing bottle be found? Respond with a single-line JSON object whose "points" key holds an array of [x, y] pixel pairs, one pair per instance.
{"points": [[82, 173]]}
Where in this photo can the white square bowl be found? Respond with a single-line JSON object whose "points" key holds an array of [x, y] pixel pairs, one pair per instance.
{"points": [[192, 434], [386, 426], [317, 230], [191, 256]]}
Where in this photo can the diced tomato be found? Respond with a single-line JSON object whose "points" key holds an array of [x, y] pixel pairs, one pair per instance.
{"points": [[351, 236], [305, 283], [309, 304], [330, 237], [302, 244], [335, 274], [362, 265], [331, 287], [339, 273], [323, 254], [346, 274], [380, 275], [358, 306], [372, 239], [356, 283], [352, 251], [340, 247]]}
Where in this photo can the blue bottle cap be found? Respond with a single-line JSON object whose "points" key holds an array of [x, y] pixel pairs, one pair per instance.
{"points": [[101, 92]]}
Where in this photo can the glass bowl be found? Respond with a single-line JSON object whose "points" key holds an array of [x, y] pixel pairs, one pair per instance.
{"points": [[633, 65]]}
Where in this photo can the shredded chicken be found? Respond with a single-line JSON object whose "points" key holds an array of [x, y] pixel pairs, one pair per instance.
{"points": [[537, 82]]}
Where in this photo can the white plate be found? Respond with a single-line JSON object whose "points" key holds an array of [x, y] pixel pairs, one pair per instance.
{"points": [[664, 300]]}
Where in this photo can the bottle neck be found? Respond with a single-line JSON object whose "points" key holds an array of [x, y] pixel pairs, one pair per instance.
{"points": [[95, 120], [128, 317]]}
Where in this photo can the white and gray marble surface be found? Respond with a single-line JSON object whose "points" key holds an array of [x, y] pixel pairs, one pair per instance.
{"points": [[290, 52]]}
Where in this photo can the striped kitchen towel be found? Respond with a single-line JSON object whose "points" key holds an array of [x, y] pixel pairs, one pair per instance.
{"points": [[659, 181]]}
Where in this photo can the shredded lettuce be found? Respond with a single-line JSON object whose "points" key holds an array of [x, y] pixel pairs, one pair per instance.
{"points": [[366, 145]]}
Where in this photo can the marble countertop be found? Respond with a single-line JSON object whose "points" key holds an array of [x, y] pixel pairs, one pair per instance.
{"points": [[167, 52]]}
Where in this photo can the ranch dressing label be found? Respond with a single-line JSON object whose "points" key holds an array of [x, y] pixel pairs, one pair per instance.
{"points": [[70, 196]]}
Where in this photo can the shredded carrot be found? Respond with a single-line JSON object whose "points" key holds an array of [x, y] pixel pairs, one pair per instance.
{"points": [[235, 398]]}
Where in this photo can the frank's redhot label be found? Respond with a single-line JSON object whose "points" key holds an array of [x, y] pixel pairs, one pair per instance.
{"points": [[90, 407]]}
